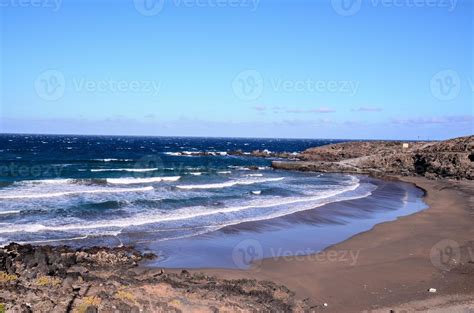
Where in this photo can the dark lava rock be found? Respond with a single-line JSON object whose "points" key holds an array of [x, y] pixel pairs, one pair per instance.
{"points": [[443, 159], [57, 261]]}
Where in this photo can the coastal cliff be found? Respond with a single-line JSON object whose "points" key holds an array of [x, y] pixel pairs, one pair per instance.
{"points": [[452, 158]]}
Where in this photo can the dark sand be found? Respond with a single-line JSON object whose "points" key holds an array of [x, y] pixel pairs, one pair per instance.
{"points": [[397, 261]]}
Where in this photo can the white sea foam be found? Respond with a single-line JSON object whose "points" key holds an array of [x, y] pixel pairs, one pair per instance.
{"points": [[114, 160], [48, 181], [10, 212], [52, 240], [131, 181], [230, 183], [195, 173], [224, 172], [139, 170], [194, 212], [173, 153], [240, 168], [75, 192]]}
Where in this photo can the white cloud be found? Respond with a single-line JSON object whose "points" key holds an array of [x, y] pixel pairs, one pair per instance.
{"points": [[453, 119]]}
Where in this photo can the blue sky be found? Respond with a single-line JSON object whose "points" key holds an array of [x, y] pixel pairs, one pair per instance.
{"points": [[400, 69]]}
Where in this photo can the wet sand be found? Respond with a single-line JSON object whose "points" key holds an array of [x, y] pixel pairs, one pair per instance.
{"points": [[302, 233], [389, 267], [397, 261]]}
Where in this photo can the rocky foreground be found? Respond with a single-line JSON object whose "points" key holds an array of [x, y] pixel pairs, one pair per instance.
{"points": [[60, 279], [452, 158]]}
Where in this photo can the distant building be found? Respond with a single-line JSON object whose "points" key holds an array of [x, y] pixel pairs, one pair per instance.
{"points": [[405, 145]]}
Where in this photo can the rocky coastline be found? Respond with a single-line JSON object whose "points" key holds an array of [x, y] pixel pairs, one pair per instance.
{"points": [[61, 279], [450, 159]]}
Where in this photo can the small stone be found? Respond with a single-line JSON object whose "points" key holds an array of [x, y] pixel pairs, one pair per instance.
{"points": [[25, 308], [432, 290], [325, 304]]}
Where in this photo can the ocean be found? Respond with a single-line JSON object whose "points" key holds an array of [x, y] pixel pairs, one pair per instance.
{"points": [[150, 191]]}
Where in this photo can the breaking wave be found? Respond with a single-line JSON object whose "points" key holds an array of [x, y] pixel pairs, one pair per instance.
{"points": [[230, 183]]}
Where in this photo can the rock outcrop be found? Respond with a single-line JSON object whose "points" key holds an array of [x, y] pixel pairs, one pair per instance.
{"points": [[452, 158], [61, 279]]}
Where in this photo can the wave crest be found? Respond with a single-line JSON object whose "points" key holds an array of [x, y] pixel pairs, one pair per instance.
{"points": [[230, 183], [131, 181]]}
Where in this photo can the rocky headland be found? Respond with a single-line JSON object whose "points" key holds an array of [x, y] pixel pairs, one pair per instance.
{"points": [[453, 159]]}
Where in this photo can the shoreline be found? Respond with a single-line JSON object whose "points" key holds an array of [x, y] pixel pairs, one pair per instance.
{"points": [[393, 269], [398, 261], [417, 261], [395, 265], [292, 234]]}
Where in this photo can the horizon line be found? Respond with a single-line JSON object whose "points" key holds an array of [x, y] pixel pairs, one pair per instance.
{"points": [[219, 137]]}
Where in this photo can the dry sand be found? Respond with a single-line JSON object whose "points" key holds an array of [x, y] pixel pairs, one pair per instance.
{"points": [[397, 261]]}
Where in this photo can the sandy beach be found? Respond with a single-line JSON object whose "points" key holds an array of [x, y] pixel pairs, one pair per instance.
{"points": [[221, 156], [398, 261], [398, 244], [303, 232]]}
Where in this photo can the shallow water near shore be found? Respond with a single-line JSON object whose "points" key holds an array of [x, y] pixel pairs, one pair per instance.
{"points": [[188, 200], [300, 234]]}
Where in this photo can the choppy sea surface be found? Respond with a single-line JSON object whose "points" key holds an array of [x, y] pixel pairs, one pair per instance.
{"points": [[160, 194], [70, 188]]}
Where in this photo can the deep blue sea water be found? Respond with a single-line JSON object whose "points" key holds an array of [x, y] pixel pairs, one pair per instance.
{"points": [[68, 189]]}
